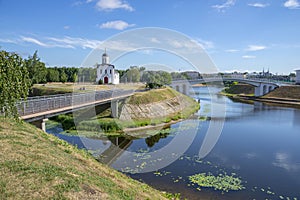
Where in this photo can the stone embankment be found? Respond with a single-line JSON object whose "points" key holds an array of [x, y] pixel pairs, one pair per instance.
{"points": [[154, 110]]}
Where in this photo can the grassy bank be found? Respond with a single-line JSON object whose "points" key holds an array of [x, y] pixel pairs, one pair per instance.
{"points": [[51, 89], [36, 165], [238, 89], [281, 96], [152, 96], [285, 92]]}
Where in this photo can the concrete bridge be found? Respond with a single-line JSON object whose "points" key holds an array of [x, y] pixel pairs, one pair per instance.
{"points": [[37, 110], [262, 86]]}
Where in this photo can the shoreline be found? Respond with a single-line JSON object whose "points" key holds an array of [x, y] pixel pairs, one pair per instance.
{"points": [[272, 100], [164, 125]]}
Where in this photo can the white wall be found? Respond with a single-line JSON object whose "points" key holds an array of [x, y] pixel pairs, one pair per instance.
{"points": [[298, 76]]}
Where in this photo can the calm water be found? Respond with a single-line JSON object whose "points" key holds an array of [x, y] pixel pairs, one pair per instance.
{"points": [[259, 143]]}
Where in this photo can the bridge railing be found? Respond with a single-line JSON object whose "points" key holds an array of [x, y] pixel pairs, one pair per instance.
{"points": [[226, 77], [46, 103]]}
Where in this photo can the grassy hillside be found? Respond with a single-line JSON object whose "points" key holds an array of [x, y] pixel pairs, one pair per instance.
{"points": [[152, 96], [287, 92], [36, 165], [240, 89]]}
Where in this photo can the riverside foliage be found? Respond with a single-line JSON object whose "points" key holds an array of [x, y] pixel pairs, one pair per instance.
{"points": [[221, 182], [14, 82]]}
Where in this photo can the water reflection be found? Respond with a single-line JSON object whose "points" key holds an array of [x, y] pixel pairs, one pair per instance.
{"points": [[152, 140], [284, 160], [117, 146], [296, 119]]}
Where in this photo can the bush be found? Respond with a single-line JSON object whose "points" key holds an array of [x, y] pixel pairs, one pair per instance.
{"points": [[66, 121]]}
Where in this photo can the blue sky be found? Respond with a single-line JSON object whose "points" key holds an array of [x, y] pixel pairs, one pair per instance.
{"points": [[237, 34]]}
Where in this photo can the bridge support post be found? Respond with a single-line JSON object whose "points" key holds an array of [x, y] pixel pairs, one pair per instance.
{"points": [[258, 91], [41, 124], [115, 109]]}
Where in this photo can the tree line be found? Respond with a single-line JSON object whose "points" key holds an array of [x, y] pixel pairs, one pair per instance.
{"points": [[153, 79], [39, 73]]}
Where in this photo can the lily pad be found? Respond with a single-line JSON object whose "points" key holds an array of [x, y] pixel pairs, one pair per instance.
{"points": [[221, 182]]}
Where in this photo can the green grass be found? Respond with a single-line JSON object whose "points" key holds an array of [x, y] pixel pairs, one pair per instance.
{"points": [[51, 89], [236, 89], [288, 92], [152, 96], [36, 165]]}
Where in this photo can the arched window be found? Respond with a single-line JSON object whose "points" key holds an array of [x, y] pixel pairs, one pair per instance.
{"points": [[110, 72], [106, 71]]}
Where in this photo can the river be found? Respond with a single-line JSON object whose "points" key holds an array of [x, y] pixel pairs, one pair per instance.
{"points": [[258, 143]]}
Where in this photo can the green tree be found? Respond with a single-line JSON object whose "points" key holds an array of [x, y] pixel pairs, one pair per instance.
{"points": [[14, 82], [37, 69], [52, 75], [74, 78], [156, 79], [72, 73], [63, 76], [87, 74], [133, 74]]}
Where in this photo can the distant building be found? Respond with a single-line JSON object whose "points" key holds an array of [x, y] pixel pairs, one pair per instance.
{"points": [[298, 76], [192, 74], [106, 72]]}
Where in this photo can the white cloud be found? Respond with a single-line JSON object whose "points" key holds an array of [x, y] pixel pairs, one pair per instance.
{"points": [[109, 5], [67, 27], [227, 4], [249, 57], [193, 44], [34, 41], [155, 40], [65, 42], [205, 44], [118, 25], [70, 42], [255, 48], [292, 4], [231, 50], [258, 5], [8, 41]]}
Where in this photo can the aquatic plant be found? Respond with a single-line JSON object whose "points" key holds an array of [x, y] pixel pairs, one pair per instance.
{"points": [[221, 182]]}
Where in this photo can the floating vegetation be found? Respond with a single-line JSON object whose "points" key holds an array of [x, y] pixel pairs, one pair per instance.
{"points": [[221, 182], [163, 173], [204, 118], [269, 192]]}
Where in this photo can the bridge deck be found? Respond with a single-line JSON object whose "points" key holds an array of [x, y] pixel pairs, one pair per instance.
{"points": [[47, 106]]}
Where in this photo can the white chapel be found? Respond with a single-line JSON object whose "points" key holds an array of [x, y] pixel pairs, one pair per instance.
{"points": [[106, 72]]}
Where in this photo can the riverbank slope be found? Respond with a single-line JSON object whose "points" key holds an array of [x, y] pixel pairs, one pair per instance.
{"points": [[37, 165], [288, 95], [147, 109]]}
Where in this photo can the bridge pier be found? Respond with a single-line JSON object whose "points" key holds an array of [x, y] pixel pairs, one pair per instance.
{"points": [[258, 90], [263, 89], [115, 109], [182, 87], [41, 124]]}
